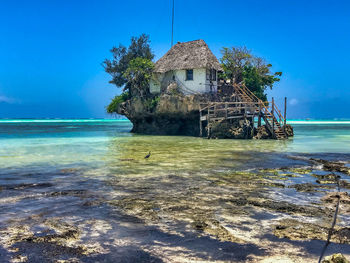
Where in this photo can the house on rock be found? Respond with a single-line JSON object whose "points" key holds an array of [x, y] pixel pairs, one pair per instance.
{"points": [[224, 110], [191, 65]]}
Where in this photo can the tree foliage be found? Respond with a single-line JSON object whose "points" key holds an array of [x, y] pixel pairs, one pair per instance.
{"points": [[130, 66], [116, 101], [241, 66], [138, 74]]}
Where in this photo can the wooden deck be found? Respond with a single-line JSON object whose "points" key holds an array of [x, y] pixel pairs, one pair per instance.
{"points": [[245, 105]]}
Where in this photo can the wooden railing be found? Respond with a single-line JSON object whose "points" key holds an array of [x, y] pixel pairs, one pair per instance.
{"points": [[219, 111], [280, 119], [248, 105], [273, 121]]}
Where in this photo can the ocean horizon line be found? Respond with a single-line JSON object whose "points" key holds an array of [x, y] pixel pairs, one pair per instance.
{"points": [[53, 120]]}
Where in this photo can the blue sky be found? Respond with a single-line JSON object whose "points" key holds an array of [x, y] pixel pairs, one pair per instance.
{"points": [[51, 51]]}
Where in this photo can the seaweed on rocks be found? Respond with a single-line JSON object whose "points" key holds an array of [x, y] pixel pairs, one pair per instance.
{"points": [[297, 230]]}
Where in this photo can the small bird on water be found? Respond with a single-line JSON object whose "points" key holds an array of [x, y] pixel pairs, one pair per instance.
{"points": [[148, 155]]}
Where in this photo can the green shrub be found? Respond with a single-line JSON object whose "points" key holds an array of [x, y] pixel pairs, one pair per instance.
{"points": [[113, 106], [152, 103], [155, 102]]}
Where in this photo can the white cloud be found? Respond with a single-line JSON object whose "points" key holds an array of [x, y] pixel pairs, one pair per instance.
{"points": [[8, 100], [293, 102]]}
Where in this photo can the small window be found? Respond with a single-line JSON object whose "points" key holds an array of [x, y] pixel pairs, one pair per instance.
{"points": [[213, 75], [189, 74]]}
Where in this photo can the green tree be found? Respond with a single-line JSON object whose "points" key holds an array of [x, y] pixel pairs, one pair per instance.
{"points": [[138, 75], [123, 66], [241, 66], [233, 61]]}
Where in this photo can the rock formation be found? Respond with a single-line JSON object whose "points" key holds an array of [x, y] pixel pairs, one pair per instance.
{"points": [[170, 114], [173, 113]]}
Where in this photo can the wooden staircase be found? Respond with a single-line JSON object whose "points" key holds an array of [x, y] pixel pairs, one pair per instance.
{"points": [[274, 126], [273, 123]]}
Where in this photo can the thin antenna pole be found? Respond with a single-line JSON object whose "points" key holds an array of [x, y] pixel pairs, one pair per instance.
{"points": [[172, 25]]}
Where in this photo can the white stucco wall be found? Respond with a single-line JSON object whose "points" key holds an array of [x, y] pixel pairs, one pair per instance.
{"points": [[195, 85], [154, 86], [199, 84]]}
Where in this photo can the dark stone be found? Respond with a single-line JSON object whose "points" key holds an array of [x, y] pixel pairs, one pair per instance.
{"points": [[161, 124], [262, 133], [332, 166], [289, 130], [173, 114], [232, 129], [306, 187]]}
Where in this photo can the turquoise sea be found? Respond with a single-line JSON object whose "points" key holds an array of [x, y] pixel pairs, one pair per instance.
{"points": [[90, 175]]}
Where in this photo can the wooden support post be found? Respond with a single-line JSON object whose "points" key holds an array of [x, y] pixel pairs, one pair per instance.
{"points": [[208, 113], [273, 116], [253, 124], [200, 123], [208, 122], [208, 130], [226, 110], [259, 117], [285, 111]]}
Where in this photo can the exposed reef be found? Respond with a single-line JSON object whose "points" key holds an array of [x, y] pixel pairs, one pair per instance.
{"points": [[178, 217]]}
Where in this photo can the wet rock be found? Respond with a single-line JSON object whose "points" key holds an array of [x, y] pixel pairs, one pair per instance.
{"points": [[173, 114], [19, 258], [232, 129], [80, 193], [221, 130], [282, 206], [333, 197], [262, 133], [327, 177], [344, 184], [69, 170], [332, 166], [214, 228], [325, 181], [335, 258], [300, 170], [289, 130], [93, 203], [69, 234], [296, 230], [199, 225], [54, 240], [306, 187], [25, 186], [142, 208]]}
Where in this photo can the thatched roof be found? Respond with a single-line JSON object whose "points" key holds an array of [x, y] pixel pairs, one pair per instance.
{"points": [[187, 55]]}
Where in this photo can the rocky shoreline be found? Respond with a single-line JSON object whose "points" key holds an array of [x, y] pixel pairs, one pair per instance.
{"points": [[239, 208]]}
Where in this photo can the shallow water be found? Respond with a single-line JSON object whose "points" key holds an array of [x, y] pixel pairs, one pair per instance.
{"points": [[177, 205]]}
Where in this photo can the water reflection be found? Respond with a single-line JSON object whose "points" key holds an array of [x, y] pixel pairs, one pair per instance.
{"points": [[186, 154]]}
